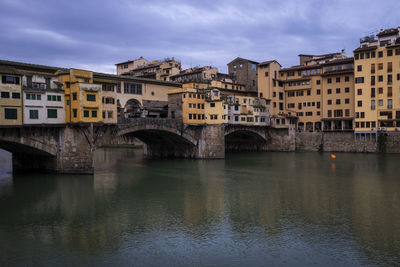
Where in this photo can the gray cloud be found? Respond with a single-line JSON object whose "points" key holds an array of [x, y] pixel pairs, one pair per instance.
{"points": [[97, 34]]}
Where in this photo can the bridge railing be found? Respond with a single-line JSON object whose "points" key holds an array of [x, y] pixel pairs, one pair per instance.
{"points": [[165, 122]]}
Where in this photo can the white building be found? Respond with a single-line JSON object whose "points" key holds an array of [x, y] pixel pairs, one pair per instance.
{"points": [[43, 100]]}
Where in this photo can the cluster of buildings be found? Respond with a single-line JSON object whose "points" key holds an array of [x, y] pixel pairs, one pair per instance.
{"points": [[329, 92]]}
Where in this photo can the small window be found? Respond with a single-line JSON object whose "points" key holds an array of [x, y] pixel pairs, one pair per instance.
{"points": [[10, 113], [86, 113], [52, 113], [74, 96], [16, 95], [33, 114], [94, 113], [75, 112], [5, 94], [91, 98]]}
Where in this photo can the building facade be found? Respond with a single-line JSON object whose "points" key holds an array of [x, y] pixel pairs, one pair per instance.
{"points": [[244, 71], [10, 97], [377, 82]]}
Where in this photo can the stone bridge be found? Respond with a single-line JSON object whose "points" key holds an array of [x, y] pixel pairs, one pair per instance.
{"points": [[70, 148]]}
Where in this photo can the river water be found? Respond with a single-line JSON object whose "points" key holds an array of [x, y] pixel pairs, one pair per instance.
{"points": [[251, 209]]}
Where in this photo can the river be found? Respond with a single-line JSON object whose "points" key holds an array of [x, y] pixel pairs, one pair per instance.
{"points": [[251, 209]]}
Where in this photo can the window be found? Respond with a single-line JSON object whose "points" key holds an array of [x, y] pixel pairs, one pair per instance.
{"points": [[337, 90], [133, 88], [356, 56], [390, 103], [347, 112], [359, 80], [329, 91], [346, 78], [372, 92], [308, 93], [10, 113], [74, 96], [380, 54], [362, 56], [372, 104], [5, 95], [75, 112], [389, 52], [329, 102], [347, 90], [337, 101], [359, 103], [359, 68], [16, 95], [389, 67], [390, 79], [90, 97], [86, 113], [52, 113], [9, 79], [212, 105], [359, 91], [33, 114], [318, 81], [94, 113], [329, 80], [318, 104], [389, 92], [318, 91], [266, 74], [380, 90], [329, 113], [380, 102], [372, 80], [215, 93]]}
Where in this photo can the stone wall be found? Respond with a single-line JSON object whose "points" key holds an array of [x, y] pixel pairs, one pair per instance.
{"points": [[345, 142], [211, 142]]}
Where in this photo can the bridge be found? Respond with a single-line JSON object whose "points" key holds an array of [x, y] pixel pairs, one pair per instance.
{"points": [[70, 148]]}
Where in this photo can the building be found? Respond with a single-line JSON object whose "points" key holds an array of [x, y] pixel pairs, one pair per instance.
{"points": [[200, 103], [10, 97], [377, 83], [108, 98], [43, 98], [338, 94], [198, 75], [244, 71], [83, 98], [300, 94], [127, 66], [157, 69], [246, 110]]}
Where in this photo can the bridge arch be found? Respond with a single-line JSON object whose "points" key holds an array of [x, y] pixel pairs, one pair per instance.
{"points": [[162, 140], [245, 139]]}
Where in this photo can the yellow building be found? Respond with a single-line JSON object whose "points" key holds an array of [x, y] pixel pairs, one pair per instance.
{"points": [[338, 95], [297, 93], [109, 100], [187, 104], [216, 110], [82, 97], [10, 97], [377, 83]]}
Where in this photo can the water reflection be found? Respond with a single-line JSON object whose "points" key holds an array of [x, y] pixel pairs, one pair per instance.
{"points": [[252, 208]]}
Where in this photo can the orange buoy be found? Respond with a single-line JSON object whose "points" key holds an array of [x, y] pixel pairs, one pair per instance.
{"points": [[333, 156]]}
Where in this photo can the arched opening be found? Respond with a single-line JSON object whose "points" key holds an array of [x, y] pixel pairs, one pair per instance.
{"points": [[28, 158], [243, 140], [133, 109], [163, 143]]}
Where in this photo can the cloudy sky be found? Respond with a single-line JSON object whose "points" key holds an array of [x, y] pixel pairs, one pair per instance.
{"points": [[97, 34]]}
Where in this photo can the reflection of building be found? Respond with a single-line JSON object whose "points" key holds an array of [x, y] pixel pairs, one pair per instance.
{"points": [[157, 69], [377, 81]]}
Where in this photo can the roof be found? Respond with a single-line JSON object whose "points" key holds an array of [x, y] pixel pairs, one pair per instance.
{"points": [[29, 65], [268, 62], [302, 67], [366, 48], [134, 79], [388, 32], [338, 72], [240, 58], [339, 61], [323, 55]]}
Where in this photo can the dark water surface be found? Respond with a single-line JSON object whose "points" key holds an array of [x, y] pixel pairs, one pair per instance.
{"points": [[251, 209]]}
